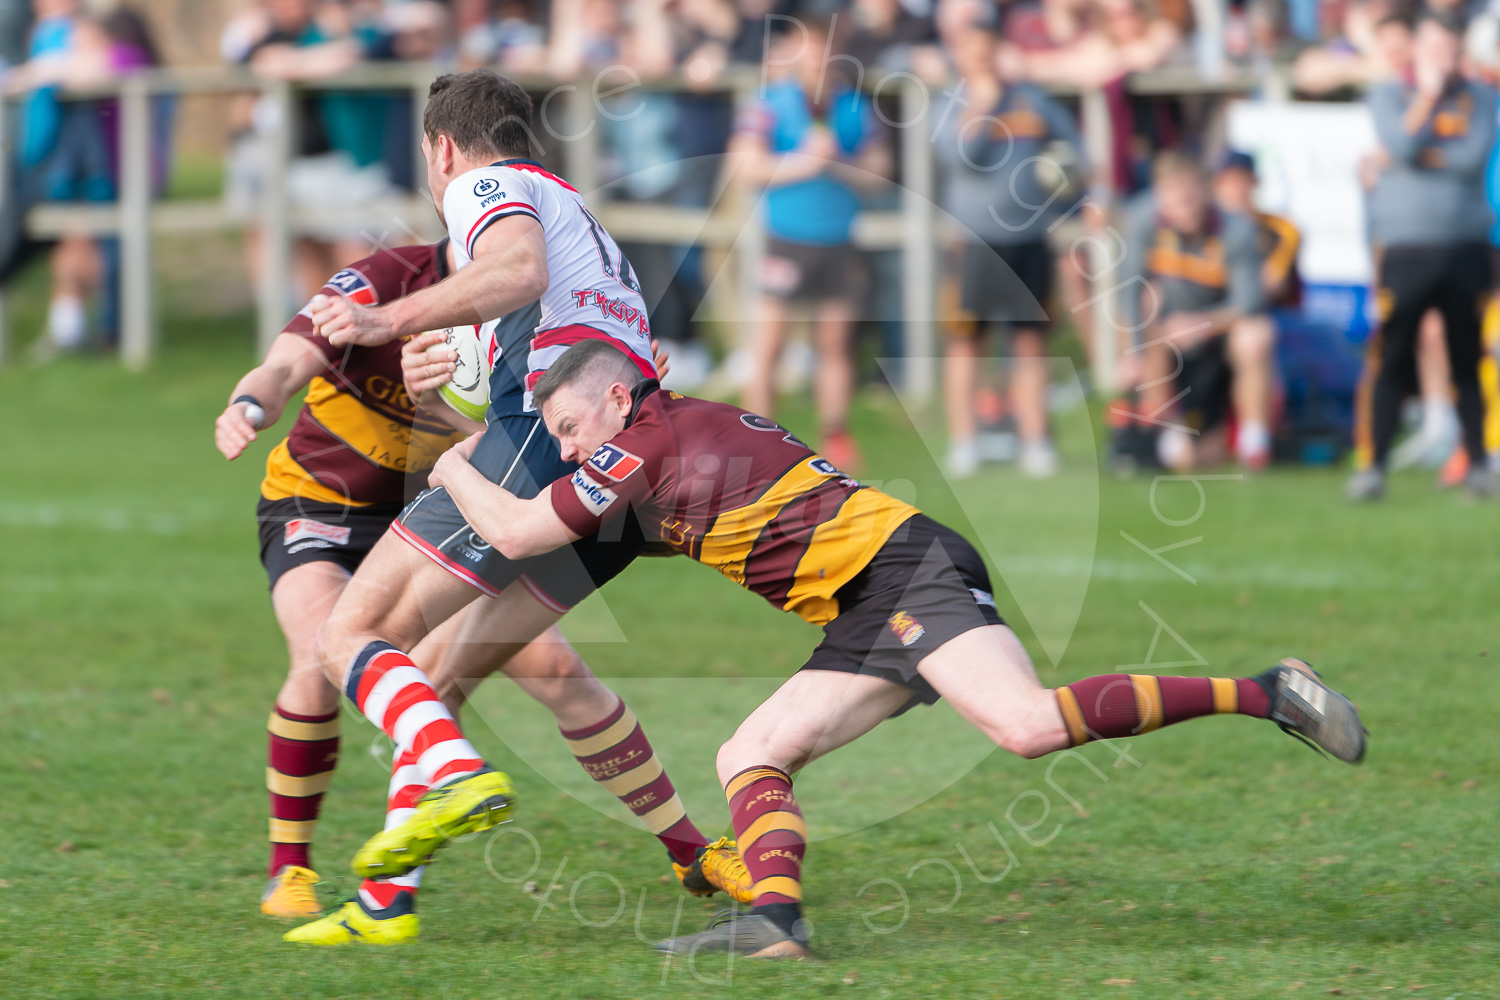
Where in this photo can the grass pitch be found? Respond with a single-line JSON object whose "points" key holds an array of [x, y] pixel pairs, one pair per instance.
{"points": [[1218, 859]]}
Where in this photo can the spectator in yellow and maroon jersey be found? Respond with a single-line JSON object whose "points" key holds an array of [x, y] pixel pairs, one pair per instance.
{"points": [[1192, 294], [1276, 237]]}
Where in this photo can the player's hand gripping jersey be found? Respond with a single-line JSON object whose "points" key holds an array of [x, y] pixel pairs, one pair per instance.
{"points": [[591, 293], [737, 492], [358, 436]]}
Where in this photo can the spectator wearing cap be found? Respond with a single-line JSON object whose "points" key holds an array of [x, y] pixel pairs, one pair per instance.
{"points": [[992, 151], [1277, 239], [1430, 221], [1193, 294], [812, 144]]}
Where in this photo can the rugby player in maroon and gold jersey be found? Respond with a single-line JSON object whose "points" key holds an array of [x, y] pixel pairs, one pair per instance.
{"points": [[905, 605], [332, 488]]}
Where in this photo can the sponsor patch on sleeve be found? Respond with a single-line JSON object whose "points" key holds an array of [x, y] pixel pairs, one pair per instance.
{"points": [[355, 285], [616, 463], [596, 499]]}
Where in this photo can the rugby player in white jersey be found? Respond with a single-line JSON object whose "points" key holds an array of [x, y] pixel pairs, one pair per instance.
{"points": [[520, 235]]}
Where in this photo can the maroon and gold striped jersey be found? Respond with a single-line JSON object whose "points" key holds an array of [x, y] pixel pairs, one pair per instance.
{"points": [[358, 435], [736, 492]]}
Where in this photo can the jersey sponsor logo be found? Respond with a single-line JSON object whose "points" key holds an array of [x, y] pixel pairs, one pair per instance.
{"points": [[472, 555], [616, 463], [612, 308], [486, 187], [595, 498], [907, 628], [315, 534], [389, 391], [680, 535], [823, 467], [756, 422]]}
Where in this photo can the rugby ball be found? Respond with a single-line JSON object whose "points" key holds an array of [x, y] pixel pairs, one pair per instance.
{"points": [[468, 391]]}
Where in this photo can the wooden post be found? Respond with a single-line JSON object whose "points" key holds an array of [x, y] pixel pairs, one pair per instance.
{"points": [[1093, 111], [137, 311], [419, 89], [749, 245], [7, 160], [919, 256], [275, 222], [581, 148]]}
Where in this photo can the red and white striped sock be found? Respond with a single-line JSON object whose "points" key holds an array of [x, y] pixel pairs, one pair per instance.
{"points": [[401, 800], [396, 696]]}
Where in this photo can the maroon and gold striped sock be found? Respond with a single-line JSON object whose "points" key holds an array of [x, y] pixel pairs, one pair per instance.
{"points": [[301, 754], [771, 833], [1114, 705], [616, 754]]}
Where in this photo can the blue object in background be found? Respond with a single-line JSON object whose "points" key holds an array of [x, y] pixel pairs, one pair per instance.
{"points": [[1319, 358], [1302, 16], [819, 211], [1349, 308]]}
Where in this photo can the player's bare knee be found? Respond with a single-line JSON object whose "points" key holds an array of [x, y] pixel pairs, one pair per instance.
{"points": [[564, 664], [556, 678], [1251, 339], [752, 749], [336, 645], [739, 752], [1030, 735], [1028, 742]]}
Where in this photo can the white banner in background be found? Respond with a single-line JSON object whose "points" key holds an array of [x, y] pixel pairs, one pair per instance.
{"points": [[1307, 157]]}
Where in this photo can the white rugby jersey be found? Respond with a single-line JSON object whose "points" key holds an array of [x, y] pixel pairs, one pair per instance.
{"points": [[591, 293]]}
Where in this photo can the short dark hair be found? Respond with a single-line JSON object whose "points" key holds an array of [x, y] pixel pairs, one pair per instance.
{"points": [[484, 113], [1403, 19], [1451, 21], [588, 359]]}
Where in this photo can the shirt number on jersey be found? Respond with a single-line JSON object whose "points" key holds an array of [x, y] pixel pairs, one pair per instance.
{"points": [[622, 273]]}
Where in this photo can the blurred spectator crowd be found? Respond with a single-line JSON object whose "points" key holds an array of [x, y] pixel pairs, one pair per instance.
{"points": [[1203, 295]]}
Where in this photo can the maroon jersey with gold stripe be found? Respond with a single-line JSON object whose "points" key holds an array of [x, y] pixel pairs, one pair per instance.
{"points": [[737, 492], [358, 435]]}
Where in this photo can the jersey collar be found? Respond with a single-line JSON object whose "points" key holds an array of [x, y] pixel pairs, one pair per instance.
{"points": [[638, 397], [515, 160]]}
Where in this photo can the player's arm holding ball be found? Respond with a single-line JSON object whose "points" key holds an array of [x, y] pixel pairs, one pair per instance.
{"points": [[428, 364], [258, 399], [508, 271]]}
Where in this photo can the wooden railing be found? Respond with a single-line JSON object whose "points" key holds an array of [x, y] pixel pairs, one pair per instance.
{"points": [[730, 225]]}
